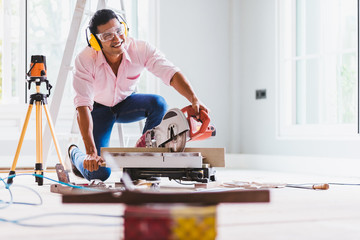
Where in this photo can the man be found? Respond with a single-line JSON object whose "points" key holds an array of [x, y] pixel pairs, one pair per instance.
{"points": [[104, 83]]}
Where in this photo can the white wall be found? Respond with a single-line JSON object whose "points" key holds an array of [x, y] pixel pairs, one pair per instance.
{"points": [[254, 68], [234, 43], [194, 35]]}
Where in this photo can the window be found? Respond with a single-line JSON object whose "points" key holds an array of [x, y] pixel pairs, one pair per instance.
{"points": [[48, 24], [11, 51], [317, 47]]}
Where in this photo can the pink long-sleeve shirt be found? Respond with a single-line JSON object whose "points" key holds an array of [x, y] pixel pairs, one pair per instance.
{"points": [[94, 79]]}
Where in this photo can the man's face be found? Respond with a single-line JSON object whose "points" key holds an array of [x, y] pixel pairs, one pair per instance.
{"points": [[112, 47]]}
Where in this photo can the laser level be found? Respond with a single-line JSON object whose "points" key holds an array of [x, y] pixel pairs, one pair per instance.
{"points": [[37, 75]]}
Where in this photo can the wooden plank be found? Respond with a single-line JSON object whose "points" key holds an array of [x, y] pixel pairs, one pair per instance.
{"points": [[208, 185], [153, 160], [136, 161], [61, 189], [135, 197], [213, 156], [182, 161]]}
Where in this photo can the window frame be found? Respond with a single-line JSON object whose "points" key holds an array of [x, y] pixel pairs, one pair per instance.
{"points": [[15, 108], [286, 92], [12, 106]]}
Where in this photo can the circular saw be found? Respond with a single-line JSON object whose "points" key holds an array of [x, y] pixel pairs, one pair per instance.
{"points": [[176, 128]]}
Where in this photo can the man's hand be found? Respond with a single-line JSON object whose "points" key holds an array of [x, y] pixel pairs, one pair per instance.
{"points": [[92, 162], [197, 106]]}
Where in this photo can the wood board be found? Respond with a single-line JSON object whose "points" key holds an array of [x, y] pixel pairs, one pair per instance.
{"points": [[153, 160], [213, 156], [139, 197]]}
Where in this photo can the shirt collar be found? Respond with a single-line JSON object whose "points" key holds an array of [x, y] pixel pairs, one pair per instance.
{"points": [[100, 59], [126, 56]]}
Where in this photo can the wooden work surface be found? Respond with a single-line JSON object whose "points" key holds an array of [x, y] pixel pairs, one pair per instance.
{"points": [[137, 197], [213, 156]]}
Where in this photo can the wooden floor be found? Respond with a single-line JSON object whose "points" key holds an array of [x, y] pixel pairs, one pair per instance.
{"points": [[291, 214]]}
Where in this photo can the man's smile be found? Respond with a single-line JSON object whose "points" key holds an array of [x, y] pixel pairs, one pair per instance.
{"points": [[117, 44]]}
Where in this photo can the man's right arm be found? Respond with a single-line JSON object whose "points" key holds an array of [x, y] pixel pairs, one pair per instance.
{"points": [[83, 100], [92, 160]]}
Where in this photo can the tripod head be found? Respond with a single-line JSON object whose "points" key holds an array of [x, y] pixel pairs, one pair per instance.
{"points": [[37, 73]]}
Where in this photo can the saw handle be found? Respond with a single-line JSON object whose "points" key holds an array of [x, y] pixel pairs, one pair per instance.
{"points": [[204, 120]]}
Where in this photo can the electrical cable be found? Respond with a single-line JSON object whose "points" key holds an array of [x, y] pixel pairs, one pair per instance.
{"points": [[11, 201], [20, 221], [53, 180], [345, 184], [27, 203], [179, 182], [8, 203], [10, 193], [330, 183]]}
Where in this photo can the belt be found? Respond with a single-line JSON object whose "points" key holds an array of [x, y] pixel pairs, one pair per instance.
{"points": [[98, 105]]}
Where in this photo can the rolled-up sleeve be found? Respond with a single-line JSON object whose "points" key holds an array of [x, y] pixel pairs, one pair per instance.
{"points": [[156, 63], [83, 81]]}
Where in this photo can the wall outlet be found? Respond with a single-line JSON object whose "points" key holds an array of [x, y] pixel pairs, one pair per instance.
{"points": [[260, 94]]}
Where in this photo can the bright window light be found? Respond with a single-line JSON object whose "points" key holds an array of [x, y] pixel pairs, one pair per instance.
{"points": [[317, 46]]}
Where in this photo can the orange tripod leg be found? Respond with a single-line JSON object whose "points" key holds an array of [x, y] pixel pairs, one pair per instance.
{"points": [[39, 150], [23, 131], [51, 126]]}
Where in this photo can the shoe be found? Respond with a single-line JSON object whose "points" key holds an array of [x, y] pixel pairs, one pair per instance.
{"points": [[73, 167]]}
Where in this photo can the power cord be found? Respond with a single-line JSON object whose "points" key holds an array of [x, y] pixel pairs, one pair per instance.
{"points": [[7, 203], [181, 183], [11, 201], [53, 180], [345, 184], [24, 203], [20, 221]]}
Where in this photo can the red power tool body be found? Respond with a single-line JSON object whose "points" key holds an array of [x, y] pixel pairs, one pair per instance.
{"points": [[178, 127]]}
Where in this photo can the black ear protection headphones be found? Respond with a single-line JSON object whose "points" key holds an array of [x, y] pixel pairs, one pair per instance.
{"points": [[95, 42]]}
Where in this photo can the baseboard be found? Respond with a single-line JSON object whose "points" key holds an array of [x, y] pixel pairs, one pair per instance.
{"points": [[295, 164]]}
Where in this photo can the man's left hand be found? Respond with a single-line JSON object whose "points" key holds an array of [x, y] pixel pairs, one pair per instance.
{"points": [[197, 106]]}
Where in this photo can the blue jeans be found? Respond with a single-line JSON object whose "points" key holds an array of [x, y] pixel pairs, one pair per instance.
{"points": [[134, 108]]}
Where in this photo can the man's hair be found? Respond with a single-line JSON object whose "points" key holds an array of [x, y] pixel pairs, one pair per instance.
{"points": [[101, 17]]}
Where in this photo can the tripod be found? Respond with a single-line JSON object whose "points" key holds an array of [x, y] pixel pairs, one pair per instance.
{"points": [[39, 100]]}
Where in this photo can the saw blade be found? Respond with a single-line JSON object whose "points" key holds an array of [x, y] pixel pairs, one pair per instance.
{"points": [[177, 144]]}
